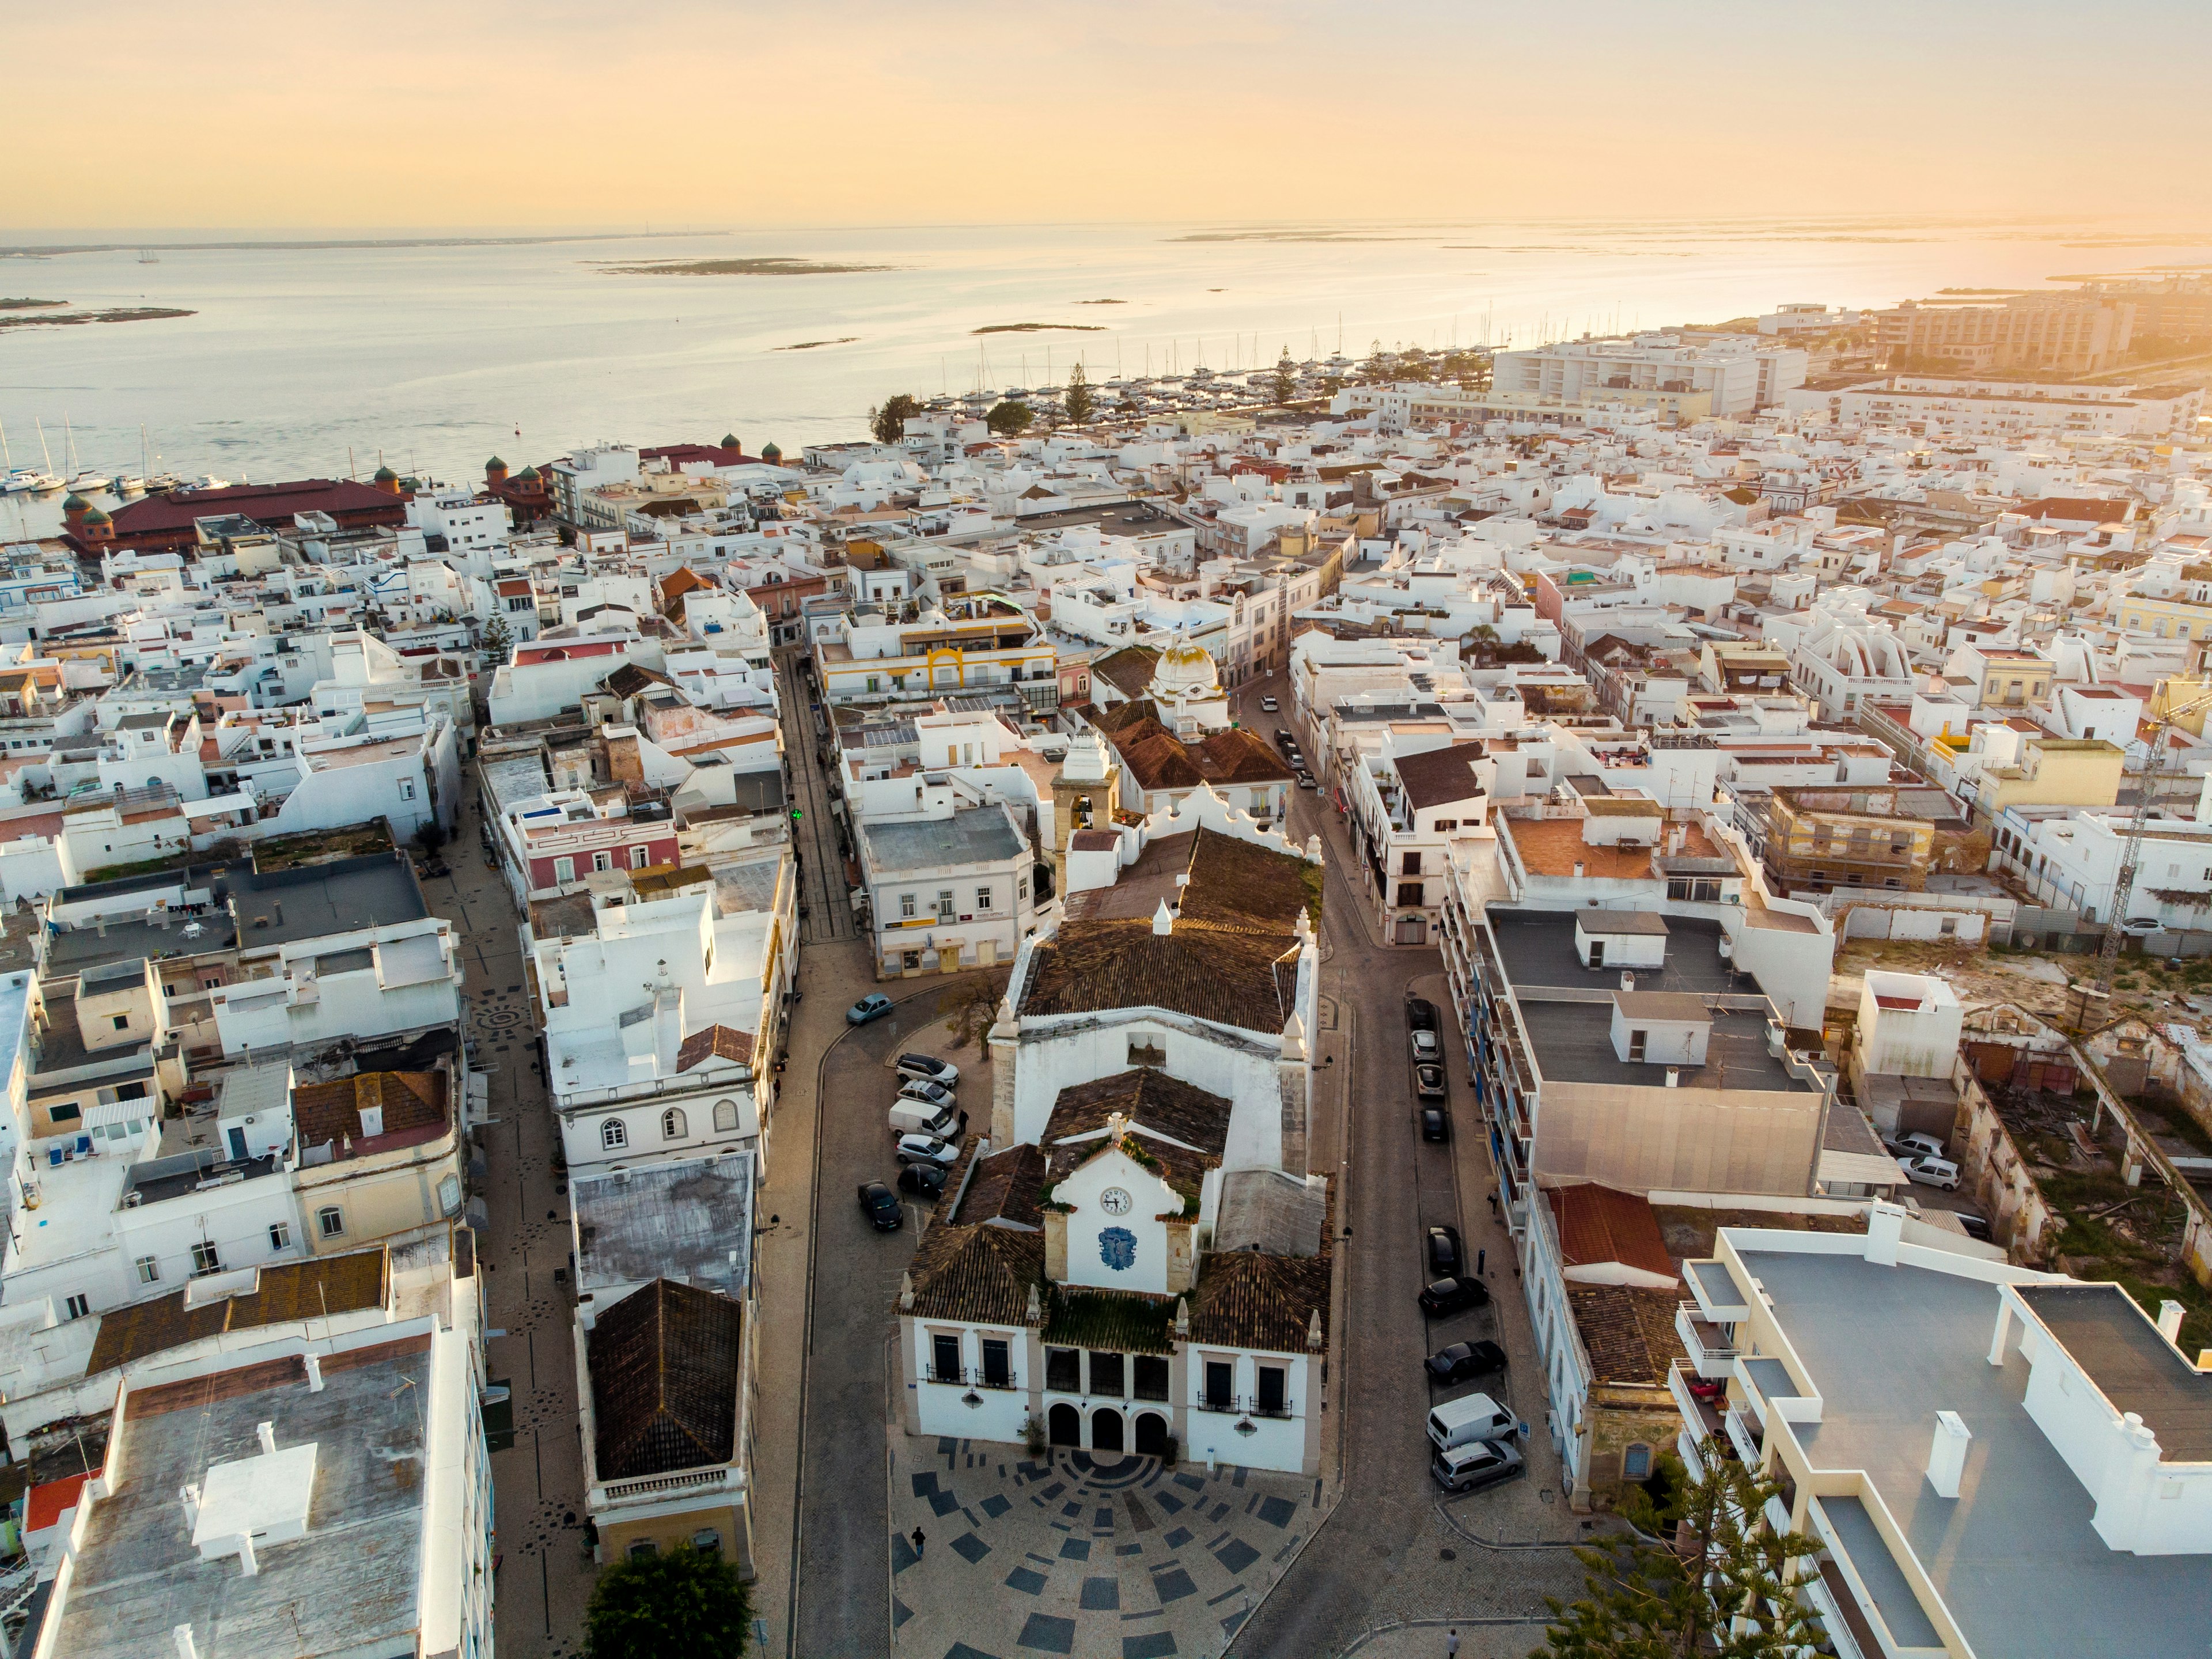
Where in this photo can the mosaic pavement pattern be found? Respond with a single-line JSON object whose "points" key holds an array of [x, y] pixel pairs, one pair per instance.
{"points": [[1068, 1555]]}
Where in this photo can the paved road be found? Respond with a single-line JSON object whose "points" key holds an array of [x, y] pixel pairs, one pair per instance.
{"points": [[1380, 1549], [844, 1566]]}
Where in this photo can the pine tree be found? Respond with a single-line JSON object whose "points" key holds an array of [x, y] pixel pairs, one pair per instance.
{"points": [[1726, 1588], [498, 641], [1077, 403], [1285, 381]]}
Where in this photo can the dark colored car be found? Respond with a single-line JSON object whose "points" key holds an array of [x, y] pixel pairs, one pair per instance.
{"points": [[921, 1180], [874, 1005], [881, 1205], [1464, 1359], [1977, 1226], [1451, 1296], [928, 1068], [1444, 1257], [1436, 1123], [1420, 1014], [1429, 1082]]}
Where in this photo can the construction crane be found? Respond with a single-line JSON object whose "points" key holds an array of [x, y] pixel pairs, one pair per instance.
{"points": [[2124, 885]]}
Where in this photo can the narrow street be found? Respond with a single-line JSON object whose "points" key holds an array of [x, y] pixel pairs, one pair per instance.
{"points": [[1389, 1549]]}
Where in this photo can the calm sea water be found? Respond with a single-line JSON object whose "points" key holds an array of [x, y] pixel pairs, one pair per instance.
{"points": [[318, 361]]}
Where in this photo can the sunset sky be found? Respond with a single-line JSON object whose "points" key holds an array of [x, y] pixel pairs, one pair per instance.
{"points": [[233, 113]]}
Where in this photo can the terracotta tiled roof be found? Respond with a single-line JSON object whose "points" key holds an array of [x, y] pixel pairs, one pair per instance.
{"points": [[715, 1042], [1440, 775], [1232, 957], [1150, 1099], [330, 1111], [979, 1275], [1601, 1224], [1129, 669], [1229, 975], [1246, 1300], [1629, 1332], [284, 1291], [664, 1367], [1159, 759], [1006, 1186]]}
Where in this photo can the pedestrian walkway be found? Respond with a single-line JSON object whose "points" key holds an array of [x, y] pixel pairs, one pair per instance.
{"points": [[1068, 1553]]}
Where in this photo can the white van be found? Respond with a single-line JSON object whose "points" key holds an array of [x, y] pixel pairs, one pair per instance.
{"points": [[1477, 1417], [911, 1117]]}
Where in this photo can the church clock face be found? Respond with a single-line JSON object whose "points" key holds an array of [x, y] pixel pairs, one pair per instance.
{"points": [[1115, 1201]]}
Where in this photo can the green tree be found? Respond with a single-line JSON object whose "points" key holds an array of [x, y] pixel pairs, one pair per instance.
{"points": [[1726, 1588], [498, 641], [657, 1607], [1009, 419], [889, 422], [1377, 366], [1285, 381], [1412, 365], [1077, 403]]}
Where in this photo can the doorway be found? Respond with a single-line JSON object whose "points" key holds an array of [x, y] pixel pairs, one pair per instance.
{"points": [[1066, 1425], [1152, 1435], [1106, 1430]]}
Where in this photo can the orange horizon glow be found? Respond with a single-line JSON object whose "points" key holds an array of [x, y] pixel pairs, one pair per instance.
{"points": [[240, 114]]}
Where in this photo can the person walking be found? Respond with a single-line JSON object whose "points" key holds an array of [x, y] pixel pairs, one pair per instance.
{"points": [[1451, 1643], [918, 1539]]}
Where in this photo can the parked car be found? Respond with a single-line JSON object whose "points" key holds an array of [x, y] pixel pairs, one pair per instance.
{"points": [[1463, 1359], [912, 1117], [921, 1180], [1436, 1123], [1451, 1296], [1931, 1171], [1425, 1050], [874, 1005], [1444, 1254], [1470, 1469], [1266, 705], [1420, 1014], [928, 1068], [1429, 1082], [1306, 781], [927, 1149], [933, 1094], [881, 1205], [1915, 1145], [1283, 739], [1977, 1226], [1469, 1419]]}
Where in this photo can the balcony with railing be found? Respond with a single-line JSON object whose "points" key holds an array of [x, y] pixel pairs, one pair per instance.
{"points": [[1701, 1412], [971, 1376], [1711, 1349]]}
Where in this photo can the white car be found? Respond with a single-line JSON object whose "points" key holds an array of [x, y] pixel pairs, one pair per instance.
{"points": [[1267, 705], [934, 1095], [1917, 1145], [1424, 1047], [1931, 1171], [927, 1149]]}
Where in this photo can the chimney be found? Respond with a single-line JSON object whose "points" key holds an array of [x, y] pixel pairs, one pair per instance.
{"points": [[372, 1123], [1163, 920], [1673, 1077], [1627, 980], [1578, 870], [1885, 1231], [1947, 1454], [315, 1364], [266, 1434], [2169, 1321], [190, 1494], [186, 1648]]}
